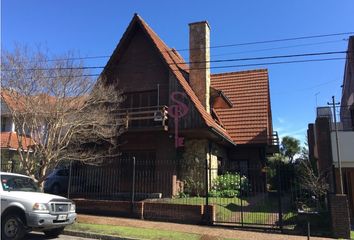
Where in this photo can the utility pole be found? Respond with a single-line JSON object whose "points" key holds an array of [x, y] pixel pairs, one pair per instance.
{"points": [[337, 144]]}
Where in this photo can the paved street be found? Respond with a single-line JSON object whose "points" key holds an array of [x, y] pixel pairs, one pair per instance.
{"points": [[40, 236]]}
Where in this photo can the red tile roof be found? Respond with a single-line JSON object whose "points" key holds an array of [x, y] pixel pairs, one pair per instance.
{"points": [[12, 99], [9, 140], [249, 120]]}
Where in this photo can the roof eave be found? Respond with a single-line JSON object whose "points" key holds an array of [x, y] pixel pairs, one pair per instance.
{"points": [[217, 132]]}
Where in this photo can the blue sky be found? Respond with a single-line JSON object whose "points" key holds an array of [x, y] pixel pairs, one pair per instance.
{"points": [[93, 28]]}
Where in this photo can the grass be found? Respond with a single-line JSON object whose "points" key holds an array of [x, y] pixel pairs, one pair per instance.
{"points": [[351, 234], [137, 233], [225, 207], [265, 211], [131, 232]]}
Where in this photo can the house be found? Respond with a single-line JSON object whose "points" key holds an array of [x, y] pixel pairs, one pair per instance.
{"points": [[322, 136], [10, 140], [180, 118]]}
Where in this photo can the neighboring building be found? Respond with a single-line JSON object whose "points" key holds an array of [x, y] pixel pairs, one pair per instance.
{"points": [[322, 138], [223, 118], [9, 138]]}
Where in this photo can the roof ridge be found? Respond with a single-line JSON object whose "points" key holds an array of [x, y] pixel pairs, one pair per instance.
{"points": [[243, 71]]}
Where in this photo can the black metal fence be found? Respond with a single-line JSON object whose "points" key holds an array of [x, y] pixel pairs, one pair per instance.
{"points": [[129, 178], [267, 197], [12, 166]]}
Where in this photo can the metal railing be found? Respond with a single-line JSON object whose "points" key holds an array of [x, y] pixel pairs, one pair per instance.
{"points": [[274, 139], [142, 117]]}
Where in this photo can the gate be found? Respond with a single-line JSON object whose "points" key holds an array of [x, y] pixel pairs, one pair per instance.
{"points": [[263, 198]]}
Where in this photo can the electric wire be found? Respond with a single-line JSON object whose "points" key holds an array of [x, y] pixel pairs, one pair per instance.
{"points": [[211, 61]]}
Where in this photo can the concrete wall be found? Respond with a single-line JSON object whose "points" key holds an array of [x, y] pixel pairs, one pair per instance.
{"points": [[346, 144]]}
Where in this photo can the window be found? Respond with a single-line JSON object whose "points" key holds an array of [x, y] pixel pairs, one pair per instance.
{"points": [[140, 99], [244, 168], [240, 166], [3, 124], [221, 166], [18, 183]]}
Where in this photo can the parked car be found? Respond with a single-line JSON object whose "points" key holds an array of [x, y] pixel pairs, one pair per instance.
{"points": [[25, 208], [82, 181], [57, 181]]}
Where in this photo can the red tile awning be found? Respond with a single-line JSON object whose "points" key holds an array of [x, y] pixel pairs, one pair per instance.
{"points": [[10, 140]]}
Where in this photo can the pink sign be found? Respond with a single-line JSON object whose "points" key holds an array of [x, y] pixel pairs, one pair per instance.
{"points": [[177, 111]]}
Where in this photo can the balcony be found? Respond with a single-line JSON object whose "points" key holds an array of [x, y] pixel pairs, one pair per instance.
{"points": [[273, 143], [145, 118]]}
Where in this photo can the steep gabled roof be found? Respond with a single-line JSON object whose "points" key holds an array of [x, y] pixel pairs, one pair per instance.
{"points": [[249, 120], [177, 66], [13, 100]]}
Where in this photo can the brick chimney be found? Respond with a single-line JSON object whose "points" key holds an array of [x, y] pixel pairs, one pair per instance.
{"points": [[199, 58]]}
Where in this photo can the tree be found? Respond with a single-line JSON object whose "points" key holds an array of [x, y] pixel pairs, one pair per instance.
{"points": [[67, 115], [313, 181], [290, 147]]}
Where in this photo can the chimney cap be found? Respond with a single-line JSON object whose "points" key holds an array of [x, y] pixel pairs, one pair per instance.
{"points": [[200, 22]]}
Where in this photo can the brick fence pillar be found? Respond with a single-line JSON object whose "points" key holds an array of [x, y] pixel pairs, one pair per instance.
{"points": [[138, 210], [208, 214], [340, 219]]}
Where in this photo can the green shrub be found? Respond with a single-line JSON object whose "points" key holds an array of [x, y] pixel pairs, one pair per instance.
{"points": [[193, 187], [229, 185]]}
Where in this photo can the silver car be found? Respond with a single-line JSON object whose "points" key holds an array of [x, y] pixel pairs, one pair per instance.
{"points": [[25, 208]]}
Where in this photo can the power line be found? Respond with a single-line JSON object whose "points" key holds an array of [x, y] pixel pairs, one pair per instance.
{"points": [[273, 41], [218, 46], [275, 63], [231, 66], [211, 61], [277, 48]]}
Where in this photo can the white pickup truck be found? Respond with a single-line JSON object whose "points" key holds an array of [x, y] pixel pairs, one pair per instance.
{"points": [[24, 208]]}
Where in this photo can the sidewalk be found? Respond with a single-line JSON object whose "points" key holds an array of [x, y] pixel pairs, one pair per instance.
{"points": [[201, 230]]}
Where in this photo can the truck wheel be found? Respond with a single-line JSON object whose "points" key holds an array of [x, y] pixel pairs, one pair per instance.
{"points": [[53, 232], [12, 228]]}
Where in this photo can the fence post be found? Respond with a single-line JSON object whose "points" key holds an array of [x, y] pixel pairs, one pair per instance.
{"points": [[241, 206], [279, 199], [133, 182], [69, 181], [206, 183]]}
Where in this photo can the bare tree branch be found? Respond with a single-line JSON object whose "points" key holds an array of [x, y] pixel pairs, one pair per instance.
{"points": [[67, 115]]}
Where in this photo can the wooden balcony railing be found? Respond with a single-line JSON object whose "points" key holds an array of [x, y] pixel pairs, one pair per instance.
{"points": [[273, 143], [145, 117]]}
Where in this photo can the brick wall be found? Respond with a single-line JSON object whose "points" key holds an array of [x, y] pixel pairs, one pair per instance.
{"points": [[348, 187], [338, 207], [324, 150], [182, 213], [117, 208], [173, 212]]}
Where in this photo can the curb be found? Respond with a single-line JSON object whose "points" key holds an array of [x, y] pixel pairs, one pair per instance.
{"points": [[94, 235]]}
